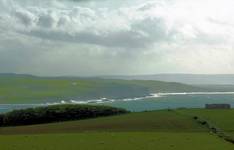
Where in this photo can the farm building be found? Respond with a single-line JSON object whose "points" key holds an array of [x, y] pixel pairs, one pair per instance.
{"points": [[217, 106]]}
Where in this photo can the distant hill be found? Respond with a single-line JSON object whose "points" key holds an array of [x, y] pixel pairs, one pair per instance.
{"points": [[209, 79], [31, 89], [15, 75]]}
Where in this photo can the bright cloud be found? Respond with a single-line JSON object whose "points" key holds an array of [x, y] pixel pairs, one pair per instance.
{"points": [[137, 37]]}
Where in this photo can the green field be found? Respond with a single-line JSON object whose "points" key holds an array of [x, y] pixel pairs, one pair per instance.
{"points": [[156, 121], [115, 141], [31, 89], [163, 130], [223, 119]]}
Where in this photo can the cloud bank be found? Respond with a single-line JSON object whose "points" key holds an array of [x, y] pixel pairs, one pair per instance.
{"points": [[67, 37]]}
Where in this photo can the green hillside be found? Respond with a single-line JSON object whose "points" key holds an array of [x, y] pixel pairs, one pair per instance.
{"points": [[143, 121], [223, 119], [161, 130], [31, 89]]}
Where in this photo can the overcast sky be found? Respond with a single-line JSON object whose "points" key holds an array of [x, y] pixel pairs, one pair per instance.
{"points": [[103, 37]]}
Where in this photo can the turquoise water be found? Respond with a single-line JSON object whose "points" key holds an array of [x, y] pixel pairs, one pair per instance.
{"points": [[174, 101], [164, 102]]}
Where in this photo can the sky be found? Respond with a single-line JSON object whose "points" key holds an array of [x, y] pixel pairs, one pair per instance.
{"points": [[116, 37]]}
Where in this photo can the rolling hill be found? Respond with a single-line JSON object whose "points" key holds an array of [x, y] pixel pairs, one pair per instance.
{"points": [[163, 130], [32, 89]]}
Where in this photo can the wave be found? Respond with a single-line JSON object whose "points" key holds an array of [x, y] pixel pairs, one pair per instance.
{"points": [[107, 100], [197, 93], [152, 95], [103, 100]]}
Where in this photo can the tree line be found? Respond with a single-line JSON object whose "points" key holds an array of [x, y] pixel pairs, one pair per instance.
{"points": [[56, 113]]}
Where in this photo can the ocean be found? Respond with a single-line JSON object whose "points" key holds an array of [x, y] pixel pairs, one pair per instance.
{"points": [[155, 101]]}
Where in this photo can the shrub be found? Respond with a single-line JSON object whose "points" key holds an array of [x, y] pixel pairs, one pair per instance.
{"points": [[213, 129], [202, 122], [229, 139], [56, 113], [1, 120]]}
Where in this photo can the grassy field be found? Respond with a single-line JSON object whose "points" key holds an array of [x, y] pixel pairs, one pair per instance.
{"points": [[161, 130], [155, 121], [31, 89], [224, 118], [115, 141]]}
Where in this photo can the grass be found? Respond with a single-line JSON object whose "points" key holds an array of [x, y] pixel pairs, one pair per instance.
{"points": [[115, 141], [223, 118], [219, 121], [231, 133], [155, 121], [161, 130]]}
